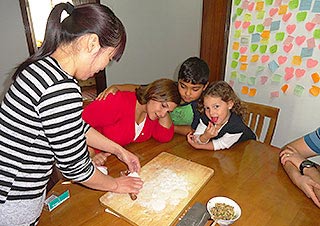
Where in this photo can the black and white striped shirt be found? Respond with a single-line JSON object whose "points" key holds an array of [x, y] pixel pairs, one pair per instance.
{"points": [[40, 123]]}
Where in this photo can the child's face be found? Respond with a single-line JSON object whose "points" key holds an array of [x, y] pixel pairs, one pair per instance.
{"points": [[190, 92], [216, 109]]}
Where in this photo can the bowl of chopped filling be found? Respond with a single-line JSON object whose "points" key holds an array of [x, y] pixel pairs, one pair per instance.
{"points": [[223, 210]]}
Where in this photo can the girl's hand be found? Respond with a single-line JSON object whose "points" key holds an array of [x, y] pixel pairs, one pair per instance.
{"points": [[104, 93], [290, 154], [210, 131], [127, 184], [100, 158]]}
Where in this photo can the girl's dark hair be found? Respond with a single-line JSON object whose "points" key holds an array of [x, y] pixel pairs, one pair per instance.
{"points": [[83, 19], [223, 90], [160, 90]]}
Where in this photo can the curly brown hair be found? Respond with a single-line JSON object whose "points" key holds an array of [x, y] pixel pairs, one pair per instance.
{"points": [[223, 90]]}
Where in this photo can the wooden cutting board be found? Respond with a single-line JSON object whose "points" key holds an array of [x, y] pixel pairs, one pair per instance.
{"points": [[170, 182]]}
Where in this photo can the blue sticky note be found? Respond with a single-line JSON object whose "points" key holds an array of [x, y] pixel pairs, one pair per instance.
{"points": [[306, 52], [305, 4], [316, 7], [273, 66], [255, 38], [275, 25]]}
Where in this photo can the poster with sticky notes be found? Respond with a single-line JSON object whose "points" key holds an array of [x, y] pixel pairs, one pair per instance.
{"points": [[274, 48]]}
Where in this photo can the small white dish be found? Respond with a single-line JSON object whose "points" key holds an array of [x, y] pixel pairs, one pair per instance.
{"points": [[212, 202]]}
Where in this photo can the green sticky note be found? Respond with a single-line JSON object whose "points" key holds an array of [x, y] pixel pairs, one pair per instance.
{"points": [[247, 17], [269, 2], [260, 28], [263, 48], [293, 4], [264, 41], [260, 68], [234, 75], [273, 49], [234, 64], [260, 15], [239, 11], [235, 55], [237, 2], [280, 36], [253, 48], [251, 29], [316, 34], [242, 78], [301, 16], [298, 90], [276, 78], [237, 34], [251, 80]]}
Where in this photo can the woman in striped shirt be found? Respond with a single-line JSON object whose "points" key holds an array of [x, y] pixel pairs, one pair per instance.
{"points": [[40, 116]]}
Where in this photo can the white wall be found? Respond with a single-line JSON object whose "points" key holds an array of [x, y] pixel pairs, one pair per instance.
{"points": [[160, 36], [13, 45]]}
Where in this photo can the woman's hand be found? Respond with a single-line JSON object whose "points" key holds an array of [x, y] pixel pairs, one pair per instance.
{"points": [[308, 186], [127, 184], [100, 158], [130, 159], [105, 92], [290, 154]]}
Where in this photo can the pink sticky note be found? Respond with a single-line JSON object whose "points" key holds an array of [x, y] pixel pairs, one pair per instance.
{"points": [[288, 77], [245, 25], [274, 94], [273, 11], [264, 58], [237, 24], [282, 59], [300, 72], [316, 19], [243, 49], [277, 2], [300, 39], [267, 22], [287, 48], [290, 28], [245, 4], [309, 26], [286, 17], [311, 63], [288, 40], [251, 6], [263, 79], [311, 43]]}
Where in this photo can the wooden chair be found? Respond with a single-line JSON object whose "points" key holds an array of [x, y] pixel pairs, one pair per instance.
{"points": [[256, 120]]}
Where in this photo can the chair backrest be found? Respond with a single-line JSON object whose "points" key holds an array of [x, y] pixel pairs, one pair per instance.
{"points": [[255, 119]]}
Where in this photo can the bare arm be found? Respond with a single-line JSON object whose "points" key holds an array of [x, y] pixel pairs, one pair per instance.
{"points": [[166, 121], [114, 88], [183, 130]]}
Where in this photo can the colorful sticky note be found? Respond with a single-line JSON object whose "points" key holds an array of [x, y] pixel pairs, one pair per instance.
{"points": [[300, 39], [286, 16], [267, 22], [316, 33], [251, 29], [263, 79], [264, 41], [252, 92], [243, 49], [284, 88], [269, 2], [260, 68], [237, 34], [305, 4], [235, 55], [301, 16], [298, 90], [235, 46], [243, 67], [259, 6], [265, 58], [316, 19], [316, 7], [245, 5], [311, 63], [273, 66], [236, 2], [247, 17], [263, 48], [274, 94], [252, 80], [275, 25], [253, 47], [293, 4], [300, 72], [279, 36], [291, 28], [273, 49], [254, 58], [234, 64], [296, 60], [260, 15], [243, 58], [255, 38], [259, 28], [315, 77], [282, 59], [244, 40], [306, 52], [314, 90], [239, 11], [283, 9], [311, 43], [288, 40], [245, 90], [310, 25], [233, 74], [276, 78], [242, 78]]}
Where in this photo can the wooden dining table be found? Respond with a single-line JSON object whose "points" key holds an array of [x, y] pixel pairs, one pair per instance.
{"points": [[249, 173]]}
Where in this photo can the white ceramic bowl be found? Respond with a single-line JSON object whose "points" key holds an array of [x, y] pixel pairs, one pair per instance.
{"points": [[211, 203]]}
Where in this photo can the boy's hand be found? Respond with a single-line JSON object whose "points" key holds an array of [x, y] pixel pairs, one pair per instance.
{"points": [[104, 93]]}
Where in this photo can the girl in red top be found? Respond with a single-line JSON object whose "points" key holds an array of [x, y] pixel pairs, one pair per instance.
{"points": [[126, 117]]}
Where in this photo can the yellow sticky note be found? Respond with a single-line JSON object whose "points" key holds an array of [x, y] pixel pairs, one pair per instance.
{"points": [[245, 90], [243, 67], [265, 34], [315, 77], [235, 46], [314, 91], [243, 58], [254, 58], [283, 9], [259, 6], [252, 92], [296, 60]]}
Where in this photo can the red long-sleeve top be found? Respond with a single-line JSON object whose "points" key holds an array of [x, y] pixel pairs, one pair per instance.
{"points": [[114, 117]]}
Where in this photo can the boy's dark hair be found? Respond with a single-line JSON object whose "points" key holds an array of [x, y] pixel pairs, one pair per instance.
{"points": [[194, 70]]}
